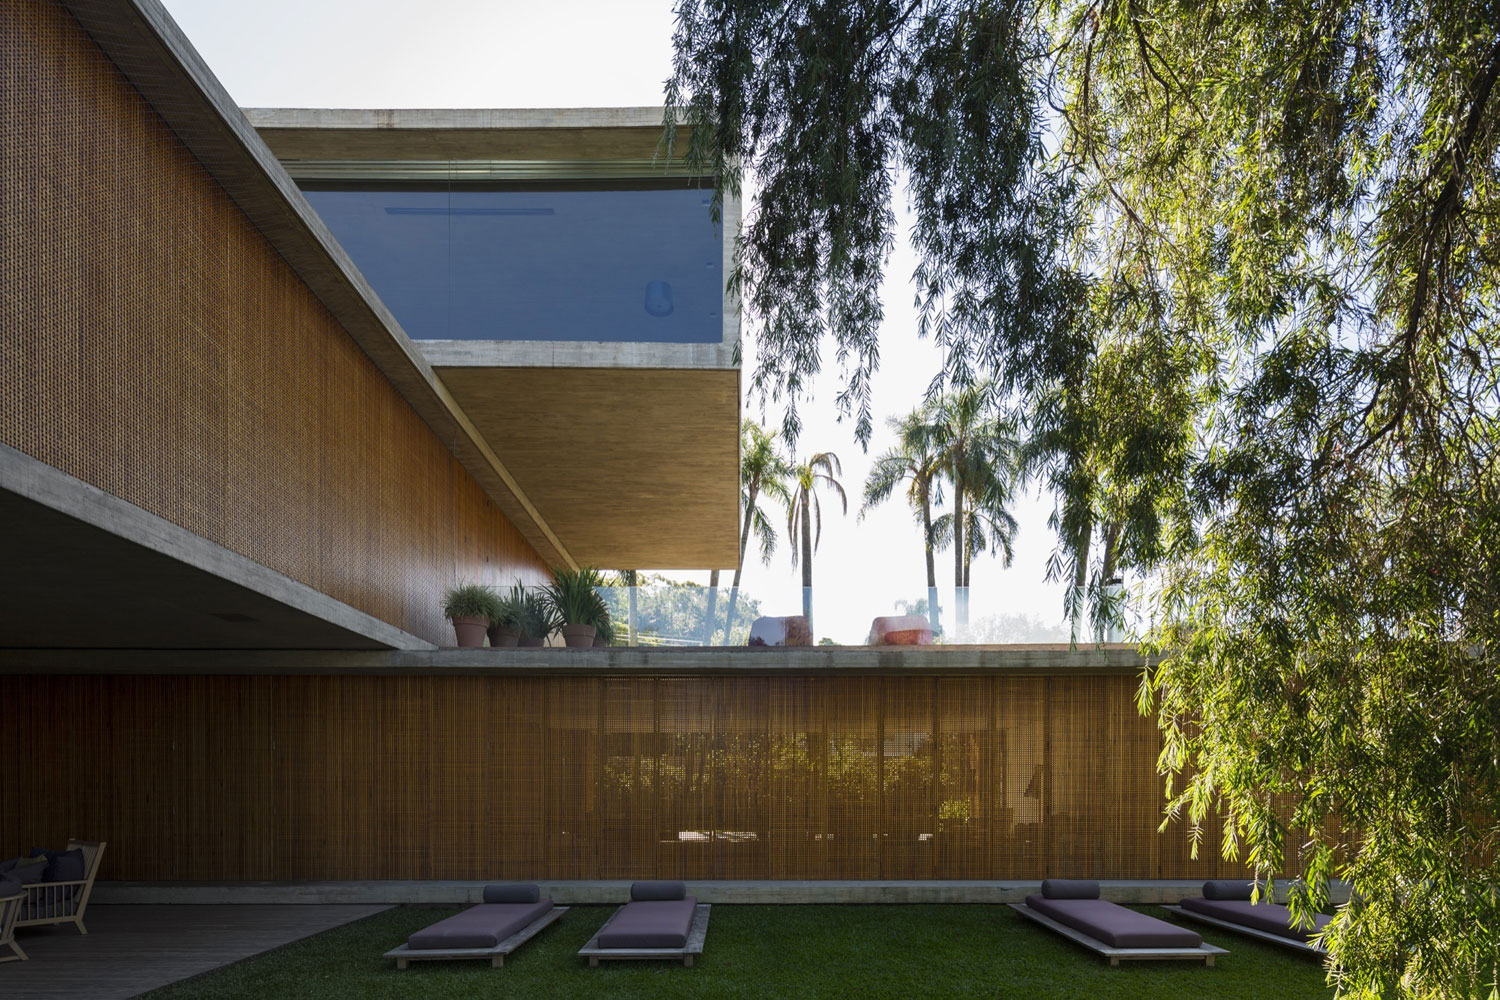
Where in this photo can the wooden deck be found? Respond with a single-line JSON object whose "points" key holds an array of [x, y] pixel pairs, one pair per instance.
{"points": [[132, 949]]}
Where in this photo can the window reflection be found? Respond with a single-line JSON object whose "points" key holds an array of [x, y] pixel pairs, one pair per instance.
{"points": [[470, 262]]}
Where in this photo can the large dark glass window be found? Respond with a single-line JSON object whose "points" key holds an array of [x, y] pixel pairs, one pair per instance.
{"points": [[464, 263]]}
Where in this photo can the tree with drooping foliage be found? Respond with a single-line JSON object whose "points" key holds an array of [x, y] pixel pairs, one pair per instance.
{"points": [[1236, 268]]}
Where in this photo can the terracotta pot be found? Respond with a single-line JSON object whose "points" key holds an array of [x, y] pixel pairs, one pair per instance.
{"points": [[532, 641], [501, 636], [579, 636], [471, 631]]}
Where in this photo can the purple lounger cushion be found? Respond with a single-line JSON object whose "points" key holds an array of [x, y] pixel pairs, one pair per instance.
{"points": [[1228, 889], [1070, 888], [653, 924], [482, 926], [1114, 925], [1268, 917], [647, 891]]}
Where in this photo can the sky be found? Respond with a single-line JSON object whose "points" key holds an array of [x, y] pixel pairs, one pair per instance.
{"points": [[472, 54]]}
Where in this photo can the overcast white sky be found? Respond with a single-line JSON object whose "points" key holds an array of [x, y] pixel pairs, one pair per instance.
{"points": [[469, 53]]}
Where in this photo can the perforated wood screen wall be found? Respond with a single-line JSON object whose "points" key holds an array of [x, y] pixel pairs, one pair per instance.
{"points": [[447, 777], [153, 344]]}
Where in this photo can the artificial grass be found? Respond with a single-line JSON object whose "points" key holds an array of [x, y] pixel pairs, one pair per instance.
{"points": [[864, 952]]}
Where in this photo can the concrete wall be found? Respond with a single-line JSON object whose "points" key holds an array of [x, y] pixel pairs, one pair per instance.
{"points": [[154, 344]]}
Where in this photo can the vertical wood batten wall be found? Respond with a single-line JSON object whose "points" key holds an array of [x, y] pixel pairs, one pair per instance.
{"points": [[710, 777], [154, 344]]}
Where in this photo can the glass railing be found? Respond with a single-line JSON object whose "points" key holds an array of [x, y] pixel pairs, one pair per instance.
{"points": [[667, 614]]}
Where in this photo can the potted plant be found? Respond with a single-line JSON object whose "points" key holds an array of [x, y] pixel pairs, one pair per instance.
{"points": [[470, 607], [574, 598], [535, 619], [505, 625], [606, 635]]}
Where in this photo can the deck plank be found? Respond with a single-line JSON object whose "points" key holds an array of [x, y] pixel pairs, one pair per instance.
{"points": [[130, 950]]}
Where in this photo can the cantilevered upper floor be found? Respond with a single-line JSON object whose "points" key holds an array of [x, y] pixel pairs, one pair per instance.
{"points": [[216, 428], [564, 273]]}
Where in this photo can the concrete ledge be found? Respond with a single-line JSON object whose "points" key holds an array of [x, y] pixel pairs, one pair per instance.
{"points": [[1142, 891], [645, 661], [181, 551], [442, 354]]}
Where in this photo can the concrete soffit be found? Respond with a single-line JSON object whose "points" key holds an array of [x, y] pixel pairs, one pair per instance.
{"points": [[145, 43], [138, 545]]}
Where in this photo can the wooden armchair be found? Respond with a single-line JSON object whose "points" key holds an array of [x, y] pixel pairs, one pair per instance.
{"points": [[10, 907], [62, 902]]}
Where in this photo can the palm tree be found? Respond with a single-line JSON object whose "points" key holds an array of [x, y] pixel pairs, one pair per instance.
{"points": [[978, 454], [988, 523], [763, 470], [913, 461], [804, 514]]}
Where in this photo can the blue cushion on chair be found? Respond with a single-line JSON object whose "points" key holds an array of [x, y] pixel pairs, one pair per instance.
{"points": [[9, 886], [62, 866], [27, 871]]}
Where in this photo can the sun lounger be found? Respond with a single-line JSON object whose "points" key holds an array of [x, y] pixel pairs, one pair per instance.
{"points": [[660, 921], [510, 916], [1226, 905], [1073, 909]]}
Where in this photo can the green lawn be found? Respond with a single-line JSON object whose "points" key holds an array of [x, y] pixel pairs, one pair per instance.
{"points": [[860, 952]]}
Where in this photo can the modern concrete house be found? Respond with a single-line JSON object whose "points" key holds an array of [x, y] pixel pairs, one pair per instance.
{"points": [[272, 380]]}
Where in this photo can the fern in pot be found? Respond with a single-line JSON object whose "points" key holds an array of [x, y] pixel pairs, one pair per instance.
{"points": [[606, 632], [535, 619], [470, 607], [510, 611], [574, 598]]}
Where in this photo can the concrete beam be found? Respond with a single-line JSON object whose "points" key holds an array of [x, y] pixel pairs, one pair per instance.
{"points": [[575, 354], [644, 117], [61, 525], [1027, 660], [1133, 892]]}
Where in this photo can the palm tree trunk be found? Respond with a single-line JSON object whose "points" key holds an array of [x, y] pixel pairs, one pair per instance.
{"points": [[734, 589], [960, 599], [713, 601], [633, 616], [1107, 581], [1081, 576], [807, 558], [932, 594]]}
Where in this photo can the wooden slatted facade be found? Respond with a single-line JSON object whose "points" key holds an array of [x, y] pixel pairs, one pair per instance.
{"points": [[153, 344], [702, 777]]}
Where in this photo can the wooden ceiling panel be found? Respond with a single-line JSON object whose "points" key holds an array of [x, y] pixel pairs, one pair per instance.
{"points": [[632, 468]]}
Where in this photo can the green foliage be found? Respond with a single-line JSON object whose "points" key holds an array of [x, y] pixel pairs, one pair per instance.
{"points": [[673, 612], [978, 452], [573, 595], [532, 614], [510, 611], [916, 462], [1235, 268], [471, 600], [804, 513], [763, 471]]}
